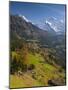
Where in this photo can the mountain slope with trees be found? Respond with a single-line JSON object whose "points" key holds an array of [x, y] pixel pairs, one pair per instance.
{"points": [[35, 55]]}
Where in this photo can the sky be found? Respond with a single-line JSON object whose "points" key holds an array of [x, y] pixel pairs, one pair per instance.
{"points": [[36, 12]]}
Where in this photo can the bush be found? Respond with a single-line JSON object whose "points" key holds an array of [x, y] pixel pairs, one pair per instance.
{"points": [[24, 68], [16, 65], [13, 66], [31, 67], [34, 77]]}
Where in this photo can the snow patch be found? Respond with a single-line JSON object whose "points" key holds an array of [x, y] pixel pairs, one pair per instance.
{"points": [[49, 22], [24, 18]]}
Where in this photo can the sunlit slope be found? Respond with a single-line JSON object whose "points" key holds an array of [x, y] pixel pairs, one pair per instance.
{"points": [[39, 76]]}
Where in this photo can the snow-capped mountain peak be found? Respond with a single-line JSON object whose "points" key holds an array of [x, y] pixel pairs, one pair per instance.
{"points": [[53, 24], [24, 18], [56, 24], [48, 22]]}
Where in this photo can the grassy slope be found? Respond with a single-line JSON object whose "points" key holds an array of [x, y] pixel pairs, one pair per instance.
{"points": [[44, 72]]}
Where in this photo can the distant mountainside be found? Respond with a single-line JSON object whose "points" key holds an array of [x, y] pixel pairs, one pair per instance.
{"points": [[22, 29], [25, 29], [53, 25]]}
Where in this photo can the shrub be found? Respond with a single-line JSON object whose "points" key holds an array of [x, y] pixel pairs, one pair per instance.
{"points": [[13, 66], [24, 68], [31, 67], [16, 65], [34, 77]]}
